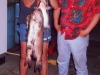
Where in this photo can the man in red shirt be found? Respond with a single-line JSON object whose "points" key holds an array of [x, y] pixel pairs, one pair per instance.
{"points": [[77, 19]]}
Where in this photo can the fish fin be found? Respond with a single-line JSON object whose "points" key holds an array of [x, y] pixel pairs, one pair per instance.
{"points": [[25, 63], [34, 55], [48, 8], [38, 66], [28, 61]]}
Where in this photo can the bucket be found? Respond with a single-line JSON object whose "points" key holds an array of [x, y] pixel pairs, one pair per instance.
{"points": [[16, 23], [10, 26], [50, 50]]}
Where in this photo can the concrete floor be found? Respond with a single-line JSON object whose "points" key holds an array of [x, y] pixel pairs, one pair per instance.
{"points": [[11, 65]]}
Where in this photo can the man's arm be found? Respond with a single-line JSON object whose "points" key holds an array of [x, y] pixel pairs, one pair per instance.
{"points": [[92, 24], [56, 15], [28, 3], [54, 4]]}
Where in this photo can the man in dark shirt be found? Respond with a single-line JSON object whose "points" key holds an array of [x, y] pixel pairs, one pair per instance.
{"points": [[26, 8]]}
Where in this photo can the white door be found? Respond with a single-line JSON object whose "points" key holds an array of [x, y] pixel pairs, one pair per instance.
{"points": [[3, 26]]}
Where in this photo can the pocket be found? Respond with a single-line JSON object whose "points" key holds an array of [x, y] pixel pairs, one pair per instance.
{"points": [[84, 37], [81, 36], [58, 32]]}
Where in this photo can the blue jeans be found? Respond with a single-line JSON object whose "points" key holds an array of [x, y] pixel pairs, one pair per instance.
{"points": [[47, 35], [22, 32], [78, 48]]}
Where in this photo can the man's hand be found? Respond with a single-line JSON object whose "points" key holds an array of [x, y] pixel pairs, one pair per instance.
{"points": [[57, 27], [84, 33]]}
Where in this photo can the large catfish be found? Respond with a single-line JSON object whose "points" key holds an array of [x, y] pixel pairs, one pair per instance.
{"points": [[38, 20], [35, 38]]}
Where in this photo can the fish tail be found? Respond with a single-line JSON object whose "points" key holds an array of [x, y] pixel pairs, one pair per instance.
{"points": [[38, 66], [28, 61]]}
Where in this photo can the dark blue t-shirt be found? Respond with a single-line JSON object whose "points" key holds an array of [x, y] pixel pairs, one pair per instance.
{"points": [[24, 11]]}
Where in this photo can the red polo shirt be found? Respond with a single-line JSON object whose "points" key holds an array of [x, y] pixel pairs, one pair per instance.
{"points": [[76, 15]]}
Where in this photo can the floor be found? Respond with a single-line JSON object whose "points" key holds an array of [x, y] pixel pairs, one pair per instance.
{"points": [[11, 65]]}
